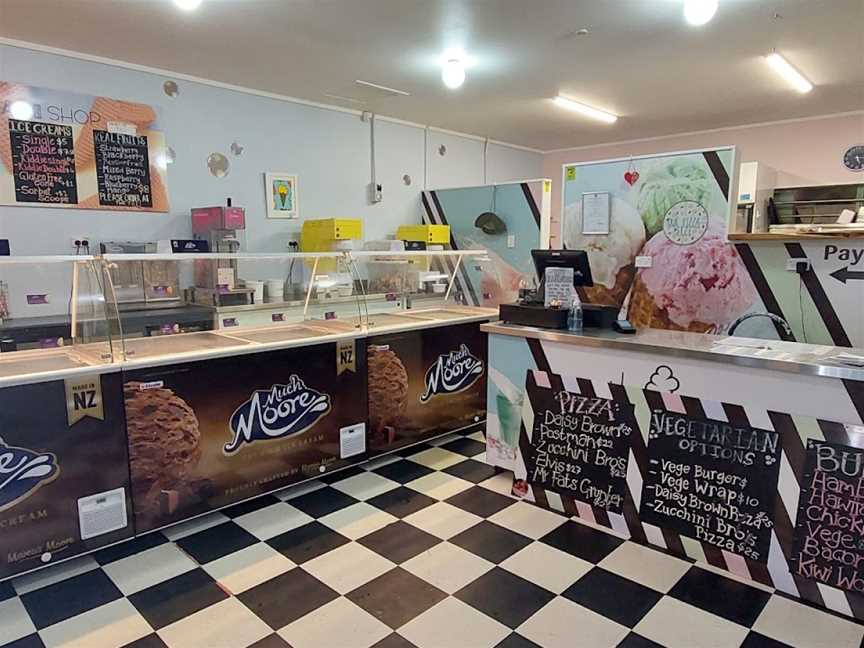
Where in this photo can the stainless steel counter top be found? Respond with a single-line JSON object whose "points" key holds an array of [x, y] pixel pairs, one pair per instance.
{"points": [[793, 357]]}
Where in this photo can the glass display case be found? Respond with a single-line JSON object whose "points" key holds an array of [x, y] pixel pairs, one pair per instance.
{"points": [[57, 314]]}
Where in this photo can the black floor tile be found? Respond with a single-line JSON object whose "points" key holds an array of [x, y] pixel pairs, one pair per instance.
{"points": [[396, 597], [490, 541], [271, 641], [30, 641], [339, 475], [582, 541], [399, 541], [250, 506], [515, 640], [505, 597], [471, 470], [722, 596], [401, 501], [613, 596], [150, 641], [467, 447], [403, 471], [287, 597], [480, 501], [60, 601], [414, 449], [129, 548], [756, 640], [307, 542], [394, 641], [322, 502], [216, 542], [634, 640], [6, 591], [177, 598]]}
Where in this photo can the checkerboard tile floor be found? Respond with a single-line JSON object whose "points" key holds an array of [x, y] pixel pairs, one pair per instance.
{"points": [[424, 549]]}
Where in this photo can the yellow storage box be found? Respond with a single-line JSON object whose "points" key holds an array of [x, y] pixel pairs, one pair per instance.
{"points": [[318, 235], [436, 234]]}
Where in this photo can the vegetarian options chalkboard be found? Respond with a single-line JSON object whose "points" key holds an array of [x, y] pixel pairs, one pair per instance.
{"points": [[829, 532], [712, 480], [43, 162], [579, 443]]}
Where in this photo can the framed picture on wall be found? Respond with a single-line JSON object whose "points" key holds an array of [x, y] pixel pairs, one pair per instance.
{"points": [[282, 195]]}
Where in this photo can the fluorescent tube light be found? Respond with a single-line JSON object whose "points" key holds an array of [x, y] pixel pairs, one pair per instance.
{"points": [[583, 109], [792, 76]]}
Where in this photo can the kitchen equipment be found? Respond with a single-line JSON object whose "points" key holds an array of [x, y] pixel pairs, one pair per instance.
{"points": [[756, 182], [137, 282], [216, 279]]}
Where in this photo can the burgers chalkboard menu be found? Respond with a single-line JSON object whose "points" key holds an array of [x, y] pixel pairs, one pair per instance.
{"points": [[43, 162], [579, 442], [712, 480], [122, 169], [829, 531]]}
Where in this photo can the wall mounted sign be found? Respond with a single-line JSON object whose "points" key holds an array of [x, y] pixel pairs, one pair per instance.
{"points": [[595, 213], [282, 196], [686, 222], [63, 149]]}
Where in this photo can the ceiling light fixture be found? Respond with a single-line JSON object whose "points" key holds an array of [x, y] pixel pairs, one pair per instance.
{"points": [[22, 110], [699, 12], [453, 73], [587, 111], [792, 76], [188, 5]]}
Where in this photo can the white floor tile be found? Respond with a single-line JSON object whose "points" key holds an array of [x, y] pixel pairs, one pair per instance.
{"points": [[195, 525], [646, 566], [149, 567], [357, 520], [339, 623], [439, 485], [14, 621], [53, 574], [300, 489], [803, 626], [108, 626], [453, 623], [477, 436], [244, 569], [348, 567], [676, 624], [546, 566], [448, 567], [273, 520], [527, 519], [227, 624], [500, 483], [443, 520], [564, 624], [437, 458], [365, 485]]}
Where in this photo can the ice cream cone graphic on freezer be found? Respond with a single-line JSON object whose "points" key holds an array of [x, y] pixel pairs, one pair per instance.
{"points": [[612, 257], [701, 287]]}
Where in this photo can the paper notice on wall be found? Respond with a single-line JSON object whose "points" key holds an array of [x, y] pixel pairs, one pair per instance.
{"points": [[352, 440], [102, 513]]}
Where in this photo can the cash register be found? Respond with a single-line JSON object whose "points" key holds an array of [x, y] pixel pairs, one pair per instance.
{"points": [[532, 310]]}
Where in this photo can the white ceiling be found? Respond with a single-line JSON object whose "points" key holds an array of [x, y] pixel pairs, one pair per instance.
{"points": [[640, 59]]}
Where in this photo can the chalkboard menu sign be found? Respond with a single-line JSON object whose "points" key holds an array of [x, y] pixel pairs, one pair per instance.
{"points": [[43, 162], [711, 480], [829, 531], [122, 169], [579, 444]]}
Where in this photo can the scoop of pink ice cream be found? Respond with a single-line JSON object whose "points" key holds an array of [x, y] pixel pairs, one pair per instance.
{"points": [[702, 282]]}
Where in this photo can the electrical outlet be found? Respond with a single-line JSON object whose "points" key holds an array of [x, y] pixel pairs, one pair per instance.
{"points": [[798, 265], [376, 193], [511, 240], [81, 243], [644, 261]]}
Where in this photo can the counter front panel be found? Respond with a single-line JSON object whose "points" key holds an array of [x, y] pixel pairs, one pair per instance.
{"points": [[64, 476], [203, 435]]}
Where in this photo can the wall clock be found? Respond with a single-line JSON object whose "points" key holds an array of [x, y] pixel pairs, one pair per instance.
{"points": [[853, 158]]}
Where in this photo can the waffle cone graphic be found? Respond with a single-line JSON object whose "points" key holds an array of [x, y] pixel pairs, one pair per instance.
{"points": [[643, 312], [615, 296], [388, 389]]}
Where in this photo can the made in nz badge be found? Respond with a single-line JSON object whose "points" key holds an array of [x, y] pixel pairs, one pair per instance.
{"points": [[452, 373], [23, 472], [282, 411]]}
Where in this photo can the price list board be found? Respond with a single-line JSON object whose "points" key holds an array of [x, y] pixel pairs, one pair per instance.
{"points": [[43, 162], [711, 480], [122, 169]]}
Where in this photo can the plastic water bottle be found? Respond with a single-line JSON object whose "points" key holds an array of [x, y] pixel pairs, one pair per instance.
{"points": [[574, 316]]}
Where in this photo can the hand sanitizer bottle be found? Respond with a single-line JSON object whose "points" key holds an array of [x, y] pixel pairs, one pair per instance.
{"points": [[574, 316]]}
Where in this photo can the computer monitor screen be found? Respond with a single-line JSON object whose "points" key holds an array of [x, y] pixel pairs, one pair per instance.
{"points": [[576, 259]]}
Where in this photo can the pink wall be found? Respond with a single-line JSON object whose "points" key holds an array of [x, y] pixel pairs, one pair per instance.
{"points": [[803, 152]]}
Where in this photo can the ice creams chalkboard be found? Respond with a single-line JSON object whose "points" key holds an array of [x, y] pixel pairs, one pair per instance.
{"points": [[43, 162], [712, 480], [579, 443], [829, 533], [122, 169]]}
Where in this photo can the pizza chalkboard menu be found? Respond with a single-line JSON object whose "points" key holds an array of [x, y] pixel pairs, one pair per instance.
{"points": [[829, 531], [712, 480], [122, 169], [43, 162], [579, 444]]}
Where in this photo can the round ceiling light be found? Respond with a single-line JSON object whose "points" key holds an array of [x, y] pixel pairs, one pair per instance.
{"points": [[699, 12], [453, 73], [188, 5], [22, 110]]}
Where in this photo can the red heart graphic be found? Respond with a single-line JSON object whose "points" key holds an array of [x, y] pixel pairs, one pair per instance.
{"points": [[631, 177]]}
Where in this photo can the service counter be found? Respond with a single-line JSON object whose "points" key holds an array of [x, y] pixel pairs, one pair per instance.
{"points": [[745, 454]]}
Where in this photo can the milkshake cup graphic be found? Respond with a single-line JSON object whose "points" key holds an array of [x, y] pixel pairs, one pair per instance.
{"points": [[509, 403]]}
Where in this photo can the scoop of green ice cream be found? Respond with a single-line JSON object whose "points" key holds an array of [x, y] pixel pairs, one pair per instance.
{"points": [[667, 183]]}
